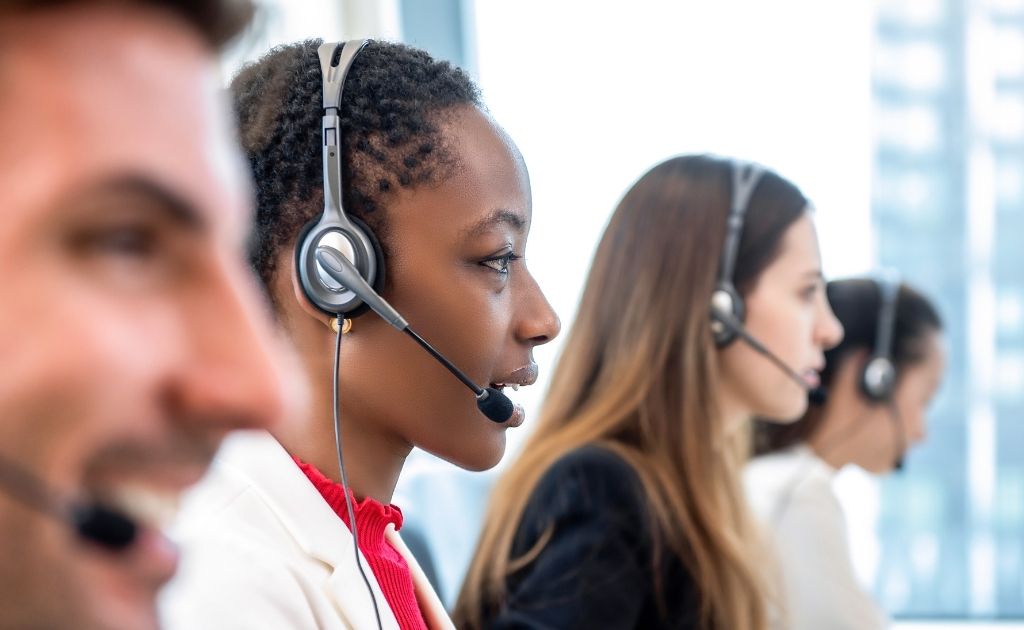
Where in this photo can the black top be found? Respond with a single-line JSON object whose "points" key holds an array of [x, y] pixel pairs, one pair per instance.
{"points": [[597, 569]]}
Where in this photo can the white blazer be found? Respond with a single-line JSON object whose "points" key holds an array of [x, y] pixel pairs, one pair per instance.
{"points": [[262, 549], [791, 493]]}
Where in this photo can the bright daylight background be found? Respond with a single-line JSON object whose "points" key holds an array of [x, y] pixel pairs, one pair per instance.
{"points": [[903, 120]]}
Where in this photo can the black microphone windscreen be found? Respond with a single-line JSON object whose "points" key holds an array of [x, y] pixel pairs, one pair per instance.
{"points": [[104, 526], [817, 396], [496, 406]]}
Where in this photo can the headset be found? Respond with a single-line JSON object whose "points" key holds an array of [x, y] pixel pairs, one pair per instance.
{"points": [[91, 521], [335, 228], [726, 300], [878, 379]]}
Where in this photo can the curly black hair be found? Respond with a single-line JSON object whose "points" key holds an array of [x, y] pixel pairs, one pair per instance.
{"points": [[393, 106]]}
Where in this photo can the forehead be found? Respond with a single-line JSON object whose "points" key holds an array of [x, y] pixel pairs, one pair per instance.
{"points": [[798, 249], [935, 354], [490, 186], [106, 91], [487, 194]]}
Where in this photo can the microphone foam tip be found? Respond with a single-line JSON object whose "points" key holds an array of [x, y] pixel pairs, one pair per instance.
{"points": [[495, 405]]}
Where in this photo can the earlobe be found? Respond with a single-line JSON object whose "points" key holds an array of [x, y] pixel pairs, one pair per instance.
{"points": [[306, 305]]}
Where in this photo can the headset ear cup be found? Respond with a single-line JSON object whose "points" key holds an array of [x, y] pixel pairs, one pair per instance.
{"points": [[727, 299], [378, 281], [365, 239], [878, 379]]}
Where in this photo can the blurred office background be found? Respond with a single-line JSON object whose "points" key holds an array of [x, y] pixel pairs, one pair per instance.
{"points": [[903, 120]]}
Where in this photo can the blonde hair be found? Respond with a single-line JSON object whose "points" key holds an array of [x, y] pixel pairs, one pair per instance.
{"points": [[638, 375]]}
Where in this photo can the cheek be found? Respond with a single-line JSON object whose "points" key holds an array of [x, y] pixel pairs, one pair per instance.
{"points": [[761, 387], [73, 377], [422, 402], [784, 327], [458, 312]]}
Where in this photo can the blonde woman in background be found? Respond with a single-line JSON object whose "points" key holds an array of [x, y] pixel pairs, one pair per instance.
{"points": [[625, 509]]}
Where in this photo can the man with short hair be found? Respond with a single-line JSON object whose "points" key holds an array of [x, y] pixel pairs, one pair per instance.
{"points": [[132, 337]]}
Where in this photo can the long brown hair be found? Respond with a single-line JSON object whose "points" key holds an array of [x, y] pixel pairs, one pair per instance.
{"points": [[639, 375]]}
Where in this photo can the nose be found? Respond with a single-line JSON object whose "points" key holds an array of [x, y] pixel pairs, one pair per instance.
{"points": [[238, 374], [538, 323], [828, 330]]}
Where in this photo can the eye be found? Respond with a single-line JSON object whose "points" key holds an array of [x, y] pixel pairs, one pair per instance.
{"points": [[135, 252], [134, 242], [809, 292], [126, 242], [500, 263]]}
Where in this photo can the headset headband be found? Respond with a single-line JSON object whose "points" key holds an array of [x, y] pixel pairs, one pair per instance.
{"points": [[888, 289], [334, 83], [745, 177]]}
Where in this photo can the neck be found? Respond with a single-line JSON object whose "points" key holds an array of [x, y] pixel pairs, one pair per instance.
{"points": [[832, 441], [734, 415], [373, 456]]}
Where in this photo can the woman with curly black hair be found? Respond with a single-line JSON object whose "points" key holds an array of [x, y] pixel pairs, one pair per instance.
{"points": [[447, 194]]}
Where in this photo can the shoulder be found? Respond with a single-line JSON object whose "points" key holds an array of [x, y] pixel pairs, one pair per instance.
{"points": [[229, 583], [226, 504], [589, 487], [773, 482], [241, 566], [592, 476]]}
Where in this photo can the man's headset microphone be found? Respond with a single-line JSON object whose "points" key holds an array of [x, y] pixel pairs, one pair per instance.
{"points": [[340, 267]]}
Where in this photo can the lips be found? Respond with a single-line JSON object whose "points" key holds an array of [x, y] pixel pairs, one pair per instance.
{"points": [[811, 378], [519, 377]]}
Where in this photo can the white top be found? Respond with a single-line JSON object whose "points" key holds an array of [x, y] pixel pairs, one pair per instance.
{"points": [[262, 549], [791, 493]]}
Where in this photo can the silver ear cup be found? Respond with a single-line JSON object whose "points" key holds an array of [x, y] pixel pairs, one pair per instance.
{"points": [[727, 301], [320, 288], [879, 378], [339, 242]]}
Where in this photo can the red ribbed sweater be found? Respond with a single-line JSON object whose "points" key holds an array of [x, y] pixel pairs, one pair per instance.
{"points": [[388, 566]]}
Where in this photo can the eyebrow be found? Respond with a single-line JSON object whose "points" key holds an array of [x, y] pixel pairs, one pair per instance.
{"points": [[159, 198], [496, 218]]}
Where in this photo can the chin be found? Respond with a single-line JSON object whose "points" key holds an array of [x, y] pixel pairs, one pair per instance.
{"points": [[881, 469], [473, 453], [120, 615], [483, 459], [786, 412]]}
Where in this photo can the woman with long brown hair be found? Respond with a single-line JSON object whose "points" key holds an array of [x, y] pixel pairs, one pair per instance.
{"points": [[625, 509]]}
